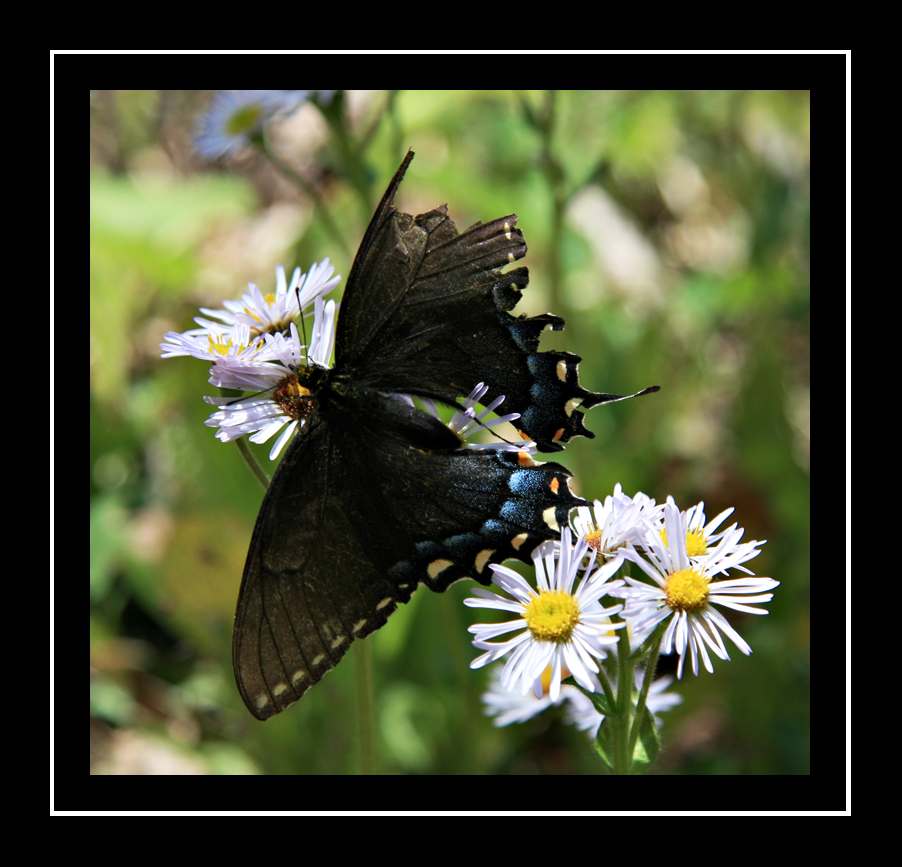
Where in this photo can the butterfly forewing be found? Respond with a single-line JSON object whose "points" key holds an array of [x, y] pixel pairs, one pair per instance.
{"points": [[425, 312]]}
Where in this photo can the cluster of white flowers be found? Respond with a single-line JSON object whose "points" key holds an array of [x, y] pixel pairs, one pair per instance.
{"points": [[562, 631], [254, 346]]}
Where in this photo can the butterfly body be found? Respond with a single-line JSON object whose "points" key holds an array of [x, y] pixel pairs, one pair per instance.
{"points": [[376, 496]]}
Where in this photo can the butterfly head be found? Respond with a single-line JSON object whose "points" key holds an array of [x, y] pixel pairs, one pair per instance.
{"points": [[295, 392]]}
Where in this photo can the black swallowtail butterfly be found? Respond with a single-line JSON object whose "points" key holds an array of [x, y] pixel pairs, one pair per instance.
{"points": [[375, 496]]}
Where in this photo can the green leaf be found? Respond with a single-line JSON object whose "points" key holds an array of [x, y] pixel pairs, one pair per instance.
{"points": [[647, 745]]}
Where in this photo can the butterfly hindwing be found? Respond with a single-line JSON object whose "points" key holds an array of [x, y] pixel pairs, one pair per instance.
{"points": [[356, 518]]}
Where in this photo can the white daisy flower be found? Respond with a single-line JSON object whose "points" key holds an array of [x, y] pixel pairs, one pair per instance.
{"points": [[701, 537], [285, 403], [509, 706], [685, 592], [274, 312], [467, 421], [561, 627], [237, 334], [216, 344], [234, 116], [609, 526]]}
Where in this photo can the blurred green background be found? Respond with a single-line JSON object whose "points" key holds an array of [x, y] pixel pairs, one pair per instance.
{"points": [[669, 228]]}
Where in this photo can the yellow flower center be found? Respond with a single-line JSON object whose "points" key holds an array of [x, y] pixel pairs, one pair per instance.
{"points": [[696, 543], [222, 346], [593, 540], [687, 590], [552, 616], [244, 119], [546, 678]]}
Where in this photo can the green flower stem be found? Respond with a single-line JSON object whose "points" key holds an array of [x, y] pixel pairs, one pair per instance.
{"points": [[321, 207], [650, 667], [366, 713], [620, 753], [252, 463]]}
